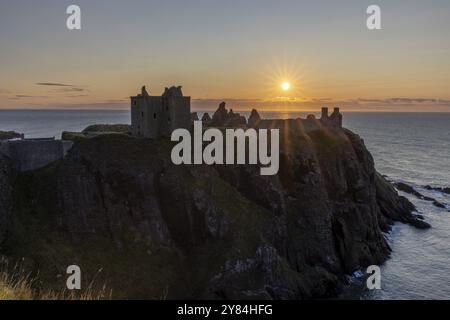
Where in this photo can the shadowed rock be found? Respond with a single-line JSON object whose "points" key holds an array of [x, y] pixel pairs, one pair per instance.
{"points": [[206, 119], [443, 190], [194, 116], [224, 118], [408, 189], [254, 118]]}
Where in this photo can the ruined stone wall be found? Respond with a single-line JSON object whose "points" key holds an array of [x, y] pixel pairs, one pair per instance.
{"points": [[135, 112], [332, 121], [156, 116], [146, 115], [30, 155], [179, 113]]}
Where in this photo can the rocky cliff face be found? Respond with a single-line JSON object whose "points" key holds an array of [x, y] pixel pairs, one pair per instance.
{"points": [[7, 174], [159, 230]]}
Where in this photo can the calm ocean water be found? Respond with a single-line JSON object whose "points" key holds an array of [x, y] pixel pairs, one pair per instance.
{"points": [[410, 147]]}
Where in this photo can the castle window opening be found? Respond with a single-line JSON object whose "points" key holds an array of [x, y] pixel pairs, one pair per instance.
{"points": [[154, 115]]}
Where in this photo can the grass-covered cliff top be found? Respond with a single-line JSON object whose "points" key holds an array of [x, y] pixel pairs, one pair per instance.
{"points": [[95, 130], [117, 128], [6, 135]]}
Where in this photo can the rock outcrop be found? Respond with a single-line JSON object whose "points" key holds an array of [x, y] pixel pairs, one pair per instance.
{"points": [[224, 118], [409, 189], [220, 117], [156, 229], [254, 118], [443, 190]]}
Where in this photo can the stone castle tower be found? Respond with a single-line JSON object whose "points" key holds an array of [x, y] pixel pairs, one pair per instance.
{"points": [[334, 120], [157, 116]]}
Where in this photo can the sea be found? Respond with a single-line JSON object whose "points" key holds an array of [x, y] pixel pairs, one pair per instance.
{"points": [[409, 147]]}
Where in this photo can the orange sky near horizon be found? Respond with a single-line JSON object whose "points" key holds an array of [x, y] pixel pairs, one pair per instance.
{"points": [[240, 53]]}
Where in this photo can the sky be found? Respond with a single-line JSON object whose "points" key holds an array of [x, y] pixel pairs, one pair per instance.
{"points": [[239, 51]]}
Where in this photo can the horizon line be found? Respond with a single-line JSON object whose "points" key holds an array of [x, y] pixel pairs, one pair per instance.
{"points": [[212, 111]]}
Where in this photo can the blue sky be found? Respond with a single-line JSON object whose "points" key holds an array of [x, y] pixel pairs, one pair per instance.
{"points": [[235, 50]]}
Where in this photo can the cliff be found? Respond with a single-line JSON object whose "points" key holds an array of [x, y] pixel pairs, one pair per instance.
{"points": [[7, 175], [119, 208]]}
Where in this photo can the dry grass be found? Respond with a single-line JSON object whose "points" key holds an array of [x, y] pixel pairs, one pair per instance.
{"points": [[17, 284], [14, 286]]}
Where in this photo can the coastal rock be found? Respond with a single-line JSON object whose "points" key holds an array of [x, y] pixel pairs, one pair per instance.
{"points": [[395, 207], [439, 205], [408, 189], [118, 203], [443, 190]]}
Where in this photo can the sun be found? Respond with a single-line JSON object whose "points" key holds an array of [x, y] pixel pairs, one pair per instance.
{"points": [[285, 86], [285, 81]]}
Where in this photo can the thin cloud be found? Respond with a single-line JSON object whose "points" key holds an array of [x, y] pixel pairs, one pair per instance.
{"points": [[54, 84], [70, 89], [62, 87], [394, 103], [25, 96], [78, 95], [405, 101]]}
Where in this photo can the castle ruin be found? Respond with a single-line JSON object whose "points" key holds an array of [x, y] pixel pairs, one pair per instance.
{"points": [[158, 116], [227, 118], [334, 120]]}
